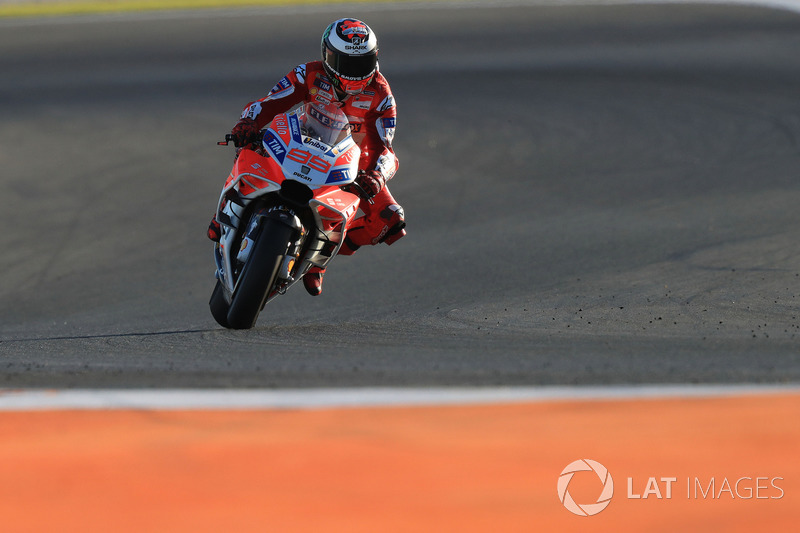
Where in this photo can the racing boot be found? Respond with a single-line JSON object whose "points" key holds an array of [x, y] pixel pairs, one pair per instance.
{"points": [[395, 222], [214, 230], [312, 281]]}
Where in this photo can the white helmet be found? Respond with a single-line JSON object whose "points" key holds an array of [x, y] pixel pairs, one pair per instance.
{"points": [[350, 55]]}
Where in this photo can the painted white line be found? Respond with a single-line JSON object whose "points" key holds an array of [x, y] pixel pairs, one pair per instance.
{"points": [[221, 399]]}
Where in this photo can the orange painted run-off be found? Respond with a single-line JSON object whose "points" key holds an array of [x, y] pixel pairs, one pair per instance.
{"points": [[415, 469]]}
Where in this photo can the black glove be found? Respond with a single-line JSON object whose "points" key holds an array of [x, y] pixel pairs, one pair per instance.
{"points": [[244, 132], [371, 182]]}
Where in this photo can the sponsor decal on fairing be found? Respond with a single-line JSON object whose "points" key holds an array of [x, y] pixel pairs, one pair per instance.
{"points": [[339, 175], [313, 143], [325, 120], [275, 146], [294, 125]]}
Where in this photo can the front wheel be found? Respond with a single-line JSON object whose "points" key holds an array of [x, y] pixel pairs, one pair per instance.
{"points": [[259, 273], [219, 305]]}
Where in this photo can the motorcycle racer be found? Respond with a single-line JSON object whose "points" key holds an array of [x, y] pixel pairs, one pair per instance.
{"points": [[348, 76]]}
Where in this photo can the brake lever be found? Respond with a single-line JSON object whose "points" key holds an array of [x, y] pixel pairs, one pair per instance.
{"points": [[362, 192], [228, 139]]}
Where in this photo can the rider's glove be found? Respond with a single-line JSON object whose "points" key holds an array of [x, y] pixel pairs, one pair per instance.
{"points": [[244, 132], [371, 181]]}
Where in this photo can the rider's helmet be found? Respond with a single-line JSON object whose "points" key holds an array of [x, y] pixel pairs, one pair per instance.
{"points": [[350, 55]]}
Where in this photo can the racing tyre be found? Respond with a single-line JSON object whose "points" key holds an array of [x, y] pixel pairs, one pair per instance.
{"points": [[219, 305], [259, 274]]}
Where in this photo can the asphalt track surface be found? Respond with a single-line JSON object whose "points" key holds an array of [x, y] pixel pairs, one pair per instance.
{"points": [[594, 195]]}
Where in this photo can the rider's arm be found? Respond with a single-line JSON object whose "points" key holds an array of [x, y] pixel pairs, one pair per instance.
{"points": [[377, 153], [287, 93]]}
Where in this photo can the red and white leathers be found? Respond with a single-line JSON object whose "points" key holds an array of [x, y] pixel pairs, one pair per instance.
{"points": [[372, 115]]}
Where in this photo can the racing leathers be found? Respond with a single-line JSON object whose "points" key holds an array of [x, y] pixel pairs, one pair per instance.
{"points": [[372, 115]]}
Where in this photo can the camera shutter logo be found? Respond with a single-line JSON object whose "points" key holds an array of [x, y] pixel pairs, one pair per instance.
{"points": [[585, 509]]}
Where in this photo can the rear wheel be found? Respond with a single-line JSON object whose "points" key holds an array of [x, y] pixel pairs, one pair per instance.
{"points": [[259, 274]]}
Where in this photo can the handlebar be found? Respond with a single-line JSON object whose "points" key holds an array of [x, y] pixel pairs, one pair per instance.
{"points": [[228, 139]]}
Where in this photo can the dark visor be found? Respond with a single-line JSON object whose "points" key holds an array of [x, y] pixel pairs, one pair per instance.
{"points": [[352, 67]]}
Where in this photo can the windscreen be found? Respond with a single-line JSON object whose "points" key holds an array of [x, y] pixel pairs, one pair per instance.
{"points": [[326, 123]]}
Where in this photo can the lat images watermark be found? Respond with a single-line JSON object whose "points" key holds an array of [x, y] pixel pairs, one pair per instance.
{"points": [[666, 488], [585, 509], [713, 488]]}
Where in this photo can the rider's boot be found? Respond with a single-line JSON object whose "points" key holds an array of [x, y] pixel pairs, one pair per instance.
{"points": [[395, 220], [214, 230], [313, 281]]}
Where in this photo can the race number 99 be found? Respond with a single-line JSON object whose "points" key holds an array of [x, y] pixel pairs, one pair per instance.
{"points": [[306, 158]]}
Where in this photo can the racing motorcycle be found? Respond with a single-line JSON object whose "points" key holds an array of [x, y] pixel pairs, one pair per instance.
{"points": [[284, 209]]}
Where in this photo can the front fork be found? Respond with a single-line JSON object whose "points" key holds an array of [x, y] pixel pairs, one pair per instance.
{"points": [[287, 268], [228, 265]]}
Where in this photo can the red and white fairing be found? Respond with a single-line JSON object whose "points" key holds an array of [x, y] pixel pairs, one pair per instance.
{"points": [[311, 145]]}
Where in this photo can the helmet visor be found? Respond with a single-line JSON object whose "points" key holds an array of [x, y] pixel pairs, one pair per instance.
{"points": [[355, 67]]}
